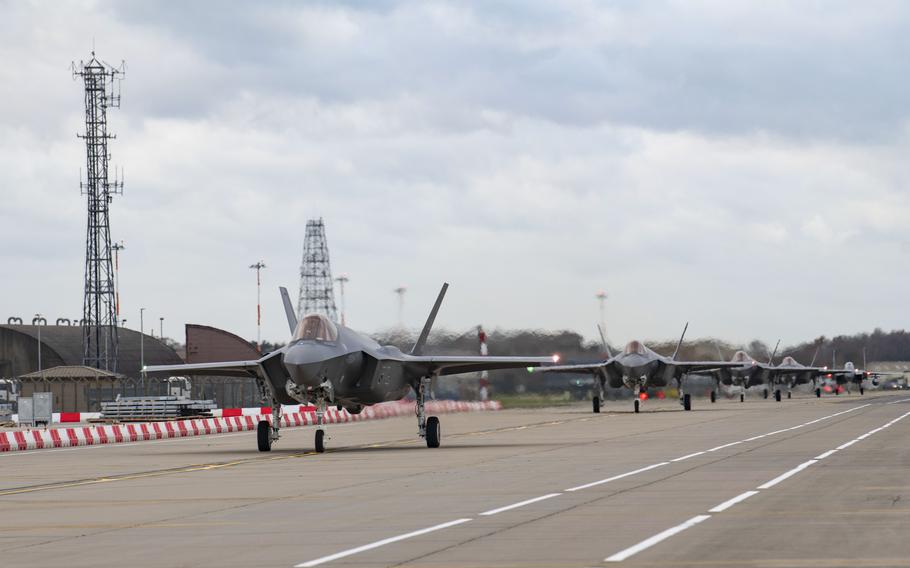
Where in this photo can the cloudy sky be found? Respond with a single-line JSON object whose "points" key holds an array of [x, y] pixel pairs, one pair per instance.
{"points": [[744, 166]]}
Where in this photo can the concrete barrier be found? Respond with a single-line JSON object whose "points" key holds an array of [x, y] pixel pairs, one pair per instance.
{"points": [[37, 439]]}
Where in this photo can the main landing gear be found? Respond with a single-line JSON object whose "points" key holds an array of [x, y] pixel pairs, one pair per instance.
{"points": [[777, 395], [765, 393], [427, 427], [818, 392], [267, 434], [713, 396], [686, 401], [599, 397], [596, 405]]}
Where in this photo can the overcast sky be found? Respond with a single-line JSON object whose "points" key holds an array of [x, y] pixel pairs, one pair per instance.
{"points": [[744, 166]]}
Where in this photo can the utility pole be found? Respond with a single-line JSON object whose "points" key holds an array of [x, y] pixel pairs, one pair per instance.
{"points": [[117, 247], [342, 280], [258, 266], [400, 291], [161, 329]]}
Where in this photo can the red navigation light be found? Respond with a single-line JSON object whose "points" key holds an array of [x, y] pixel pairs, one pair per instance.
{"points": [[829, 375], [661, 395], [643, 396]]}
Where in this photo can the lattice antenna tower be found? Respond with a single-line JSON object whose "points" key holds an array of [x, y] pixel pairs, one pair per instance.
{"points": [[99, 332], [317, 292]]}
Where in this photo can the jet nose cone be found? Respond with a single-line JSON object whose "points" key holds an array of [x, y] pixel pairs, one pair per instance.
{"points": [[307, 363]]}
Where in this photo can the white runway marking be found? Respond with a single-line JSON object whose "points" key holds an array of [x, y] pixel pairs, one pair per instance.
{"points": [[378, 543], [687, 456], [725, 446], [520, 504], [847, 444], [615, 477], [787, 475], [649, 542], [824, 455], [729, 503]]}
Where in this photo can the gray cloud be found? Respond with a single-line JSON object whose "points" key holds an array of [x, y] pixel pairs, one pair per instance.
{"points": [[715, 162]]}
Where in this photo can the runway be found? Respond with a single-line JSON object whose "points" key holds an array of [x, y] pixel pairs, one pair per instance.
{"points": [[804, 482]]}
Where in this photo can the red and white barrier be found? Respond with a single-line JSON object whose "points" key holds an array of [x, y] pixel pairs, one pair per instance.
{"points": [[36, 439]]}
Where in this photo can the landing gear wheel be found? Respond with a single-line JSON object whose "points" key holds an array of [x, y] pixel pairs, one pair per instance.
{"points": [[861, 391], [713, 396], [765, 393], [596, 405], [687, 401], [789, 394], [818, 393], [777, 395], [320, 441], [742, 397], [837, 391], [264, 436], [637, 402], [434, 433]]}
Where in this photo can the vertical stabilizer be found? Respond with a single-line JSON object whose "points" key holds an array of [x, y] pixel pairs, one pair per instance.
{"points": [[288, 309], [681, 338], [425, 333]]}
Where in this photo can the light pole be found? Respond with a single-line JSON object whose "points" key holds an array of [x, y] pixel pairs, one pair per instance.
{"points": [[142, 344], [341, 282], [258, 266], [161, 328], [117, 247], [400, 291], [602, 298], [37, 320]]}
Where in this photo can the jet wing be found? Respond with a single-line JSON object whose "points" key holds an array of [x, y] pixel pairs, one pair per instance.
{"points": [[453, 365], [707, 366], [589, 368], [225, 369]]}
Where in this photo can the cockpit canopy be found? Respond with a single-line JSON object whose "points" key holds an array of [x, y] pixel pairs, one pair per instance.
{"points": [[742, 357], [635, 348], [789, 362], [316, 327]]}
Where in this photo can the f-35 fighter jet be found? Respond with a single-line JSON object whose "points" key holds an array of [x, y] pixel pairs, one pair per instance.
{"points": [[327, 363]]}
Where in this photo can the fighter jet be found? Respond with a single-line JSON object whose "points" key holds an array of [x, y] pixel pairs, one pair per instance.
{"points": [[637, 368], [329, 364], [850, 375], [747, 374]]}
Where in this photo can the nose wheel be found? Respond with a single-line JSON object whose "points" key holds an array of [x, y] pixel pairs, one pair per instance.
{"points": [[596, 405], [320, 441], [434, 432]]}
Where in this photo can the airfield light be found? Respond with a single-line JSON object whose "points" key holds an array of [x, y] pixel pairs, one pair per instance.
{"points": [[530, 369], [643, 396], [556, 357]]}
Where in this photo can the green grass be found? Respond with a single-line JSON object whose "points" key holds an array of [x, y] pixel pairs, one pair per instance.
{"points": [[533, 400]]}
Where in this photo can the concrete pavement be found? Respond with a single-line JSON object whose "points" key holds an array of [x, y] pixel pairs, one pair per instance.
{"points": [[552, 487]]}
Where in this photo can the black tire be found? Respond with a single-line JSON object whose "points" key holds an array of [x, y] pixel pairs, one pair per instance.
{"points": [[836, 391], [320, 441], [434, 432], [789, 394], [765, 393], [777, 395], [861, 391], [264, 436], [596, 404], [742, 397], [818, 393], [637, 406], [687, 401], [713, 396]]}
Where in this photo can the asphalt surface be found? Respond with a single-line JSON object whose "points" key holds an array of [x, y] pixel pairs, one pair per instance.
{"points": [[728, 484]]}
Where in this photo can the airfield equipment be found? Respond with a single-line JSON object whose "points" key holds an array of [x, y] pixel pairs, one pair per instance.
{"points": [[317, 292], [99, 339]]}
